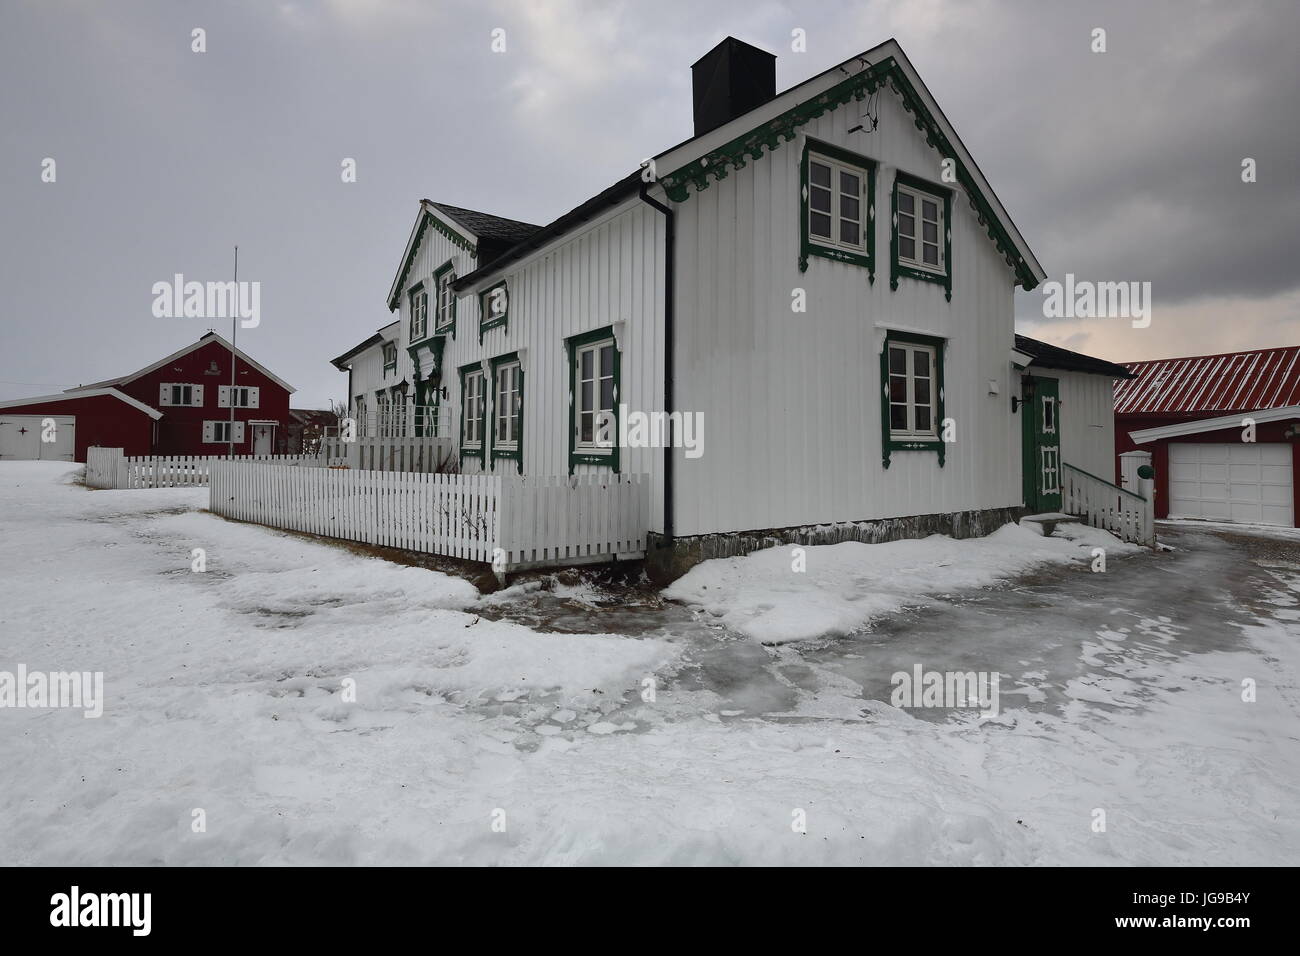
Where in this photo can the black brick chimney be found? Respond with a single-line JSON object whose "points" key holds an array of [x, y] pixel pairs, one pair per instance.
{"points": [[731, 79]]}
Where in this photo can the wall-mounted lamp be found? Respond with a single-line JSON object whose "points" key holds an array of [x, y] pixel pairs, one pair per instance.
{"points": [[1027, 390]]}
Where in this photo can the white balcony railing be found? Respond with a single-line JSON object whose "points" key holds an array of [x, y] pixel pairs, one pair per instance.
{"points": [[397, 421]]}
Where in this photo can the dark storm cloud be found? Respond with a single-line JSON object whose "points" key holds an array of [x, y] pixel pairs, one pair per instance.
{"points": [[1122, 165]]}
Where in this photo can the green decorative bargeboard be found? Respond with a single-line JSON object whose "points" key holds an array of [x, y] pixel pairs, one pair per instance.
{"points": [[717, 164]]}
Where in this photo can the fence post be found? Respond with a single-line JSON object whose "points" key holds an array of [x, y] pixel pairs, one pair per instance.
{"points": [[1129, 463]]}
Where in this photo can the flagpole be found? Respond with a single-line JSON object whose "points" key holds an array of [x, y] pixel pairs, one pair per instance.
{"points": [[234, 331]]}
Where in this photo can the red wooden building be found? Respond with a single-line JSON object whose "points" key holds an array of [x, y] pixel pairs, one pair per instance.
{"points": [[179, 405], [1193, 415]]}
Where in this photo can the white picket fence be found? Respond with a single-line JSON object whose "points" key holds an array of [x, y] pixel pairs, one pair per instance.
{"points": [[109, 468], [512, 522], [390, 454], [1123, 513]]}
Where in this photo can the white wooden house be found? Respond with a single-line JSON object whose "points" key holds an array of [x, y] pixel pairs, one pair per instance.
{"points": [[819, 280]]}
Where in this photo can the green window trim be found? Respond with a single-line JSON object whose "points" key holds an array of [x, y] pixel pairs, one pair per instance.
{"points": [[772, 134], [426, 220], [610, 458], [484, 443], [807, 246], [484, 299], [889, 444], [899, 270], [411, 293], [450, 325], [495, 453]]}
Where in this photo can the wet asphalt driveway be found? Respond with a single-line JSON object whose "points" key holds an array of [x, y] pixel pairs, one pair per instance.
{"points": [[1050, 634]]}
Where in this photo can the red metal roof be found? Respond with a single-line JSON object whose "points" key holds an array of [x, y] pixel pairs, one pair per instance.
{"points": [[1231, 382]]}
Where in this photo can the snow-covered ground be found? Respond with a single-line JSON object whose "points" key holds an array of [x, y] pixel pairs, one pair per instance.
{"points": [[227, 691], [788, 594]]}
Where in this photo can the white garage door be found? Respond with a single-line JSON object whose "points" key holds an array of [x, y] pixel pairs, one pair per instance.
{"points": [[1248, 481], [21, 437]]}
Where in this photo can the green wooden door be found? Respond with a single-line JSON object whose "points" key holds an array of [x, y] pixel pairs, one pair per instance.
{"points": [[1041, 421]]}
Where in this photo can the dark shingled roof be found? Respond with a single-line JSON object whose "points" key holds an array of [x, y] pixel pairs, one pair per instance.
{"points": [[1050, 356], [487, 226], [539, 237]]}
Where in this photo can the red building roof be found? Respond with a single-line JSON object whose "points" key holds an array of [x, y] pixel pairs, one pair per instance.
{"points": [[1202, 384]]}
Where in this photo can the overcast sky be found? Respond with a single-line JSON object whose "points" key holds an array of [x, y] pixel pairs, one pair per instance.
{"points": [[1123, 165]]}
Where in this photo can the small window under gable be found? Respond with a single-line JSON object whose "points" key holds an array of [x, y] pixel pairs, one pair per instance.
{"points": [[419, 310], [445, 299], [920, 237], [837, 204]]}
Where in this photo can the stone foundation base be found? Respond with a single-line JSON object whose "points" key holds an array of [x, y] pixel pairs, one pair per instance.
{"points": [[665, 564]]}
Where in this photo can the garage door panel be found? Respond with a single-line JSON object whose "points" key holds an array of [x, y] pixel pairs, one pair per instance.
{"points": [[22, 437], [1276, 494], [1249, 482]]}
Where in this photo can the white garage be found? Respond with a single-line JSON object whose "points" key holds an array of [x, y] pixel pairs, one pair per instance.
{"points": [[1243, 481], [33, 437]]}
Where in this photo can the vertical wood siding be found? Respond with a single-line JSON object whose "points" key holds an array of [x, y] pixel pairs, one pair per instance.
{"points": [[611, 271], [1087, 421], [792, 401]]}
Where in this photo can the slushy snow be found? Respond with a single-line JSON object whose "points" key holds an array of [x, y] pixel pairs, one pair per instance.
{"points": [[795, 593], [225, 695]]}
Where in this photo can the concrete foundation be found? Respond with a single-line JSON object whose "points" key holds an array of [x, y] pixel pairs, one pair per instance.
{"points": [[665, 563]]}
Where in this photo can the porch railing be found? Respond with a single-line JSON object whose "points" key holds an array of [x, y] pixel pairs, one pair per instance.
{"points": [[396, 421], [1125, 514], [427, 455]]}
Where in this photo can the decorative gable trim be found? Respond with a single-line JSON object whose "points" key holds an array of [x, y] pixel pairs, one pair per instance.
{"points": [[717, 164], [427, 218]]}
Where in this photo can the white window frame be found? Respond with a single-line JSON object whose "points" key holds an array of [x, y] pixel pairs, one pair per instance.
{"points": [[252, 395], [475, 401], [444, 317], [918, 196], [502, 405], [864, 201], [223, 426], [1049, 402], [166, 397], [909, 374], [419, 306], [599, 375]]}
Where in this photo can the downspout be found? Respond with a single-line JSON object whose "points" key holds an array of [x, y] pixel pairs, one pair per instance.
{"points": [[670, 288]]}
